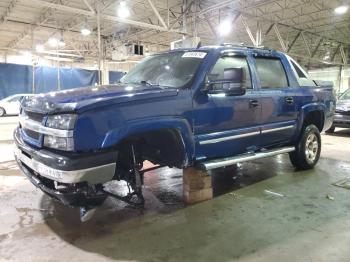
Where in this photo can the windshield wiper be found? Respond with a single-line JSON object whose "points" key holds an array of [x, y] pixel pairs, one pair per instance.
{"points": [[144, 82]]}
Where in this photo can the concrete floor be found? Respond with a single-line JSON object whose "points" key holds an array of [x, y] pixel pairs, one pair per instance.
{"points": [[241, 223]]}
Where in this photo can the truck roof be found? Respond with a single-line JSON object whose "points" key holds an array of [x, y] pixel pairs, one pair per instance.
{"points": [[230, 47]]}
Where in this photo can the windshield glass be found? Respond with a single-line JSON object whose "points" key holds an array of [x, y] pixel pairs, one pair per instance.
{"points": [[346, 95], [174, 69]]}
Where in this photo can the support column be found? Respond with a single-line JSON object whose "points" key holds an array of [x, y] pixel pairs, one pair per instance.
{"points": [[98, 17], [197, 186]]}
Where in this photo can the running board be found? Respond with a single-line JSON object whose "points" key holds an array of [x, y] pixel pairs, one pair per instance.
{"points": [[216, 163]]}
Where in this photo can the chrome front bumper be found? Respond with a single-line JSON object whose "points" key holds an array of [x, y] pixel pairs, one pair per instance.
{"points": [[93, 168], [91, 175]]}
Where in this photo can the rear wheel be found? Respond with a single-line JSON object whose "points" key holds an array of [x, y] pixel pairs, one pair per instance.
{"points": [[308, 149], [2, 112]]}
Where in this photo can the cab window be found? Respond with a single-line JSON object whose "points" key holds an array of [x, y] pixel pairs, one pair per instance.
{"points": [[226, 62]]}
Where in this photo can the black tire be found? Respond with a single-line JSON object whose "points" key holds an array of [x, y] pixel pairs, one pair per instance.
{"points": [[331, 130], [308, 149], [2, 112]]}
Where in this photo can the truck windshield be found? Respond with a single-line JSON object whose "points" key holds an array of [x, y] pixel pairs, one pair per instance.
{"points": [[173, 70]]}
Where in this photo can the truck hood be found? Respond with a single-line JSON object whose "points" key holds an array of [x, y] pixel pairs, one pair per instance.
{"points": [[86, 98]]}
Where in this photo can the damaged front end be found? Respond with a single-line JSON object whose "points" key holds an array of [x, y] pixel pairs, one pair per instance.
{"points": [[49, 152], [73, 179], [77, 180]]}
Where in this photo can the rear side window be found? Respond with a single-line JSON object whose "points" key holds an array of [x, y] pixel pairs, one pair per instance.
{"points": [[302, 78], [298, 70], [271, 73]]}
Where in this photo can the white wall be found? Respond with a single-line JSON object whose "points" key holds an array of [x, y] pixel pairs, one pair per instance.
{"points": [[24, 58], [340, 78], [121, 66]]}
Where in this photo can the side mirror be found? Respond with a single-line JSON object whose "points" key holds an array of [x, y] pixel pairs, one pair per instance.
{"points": [[231, 85]]}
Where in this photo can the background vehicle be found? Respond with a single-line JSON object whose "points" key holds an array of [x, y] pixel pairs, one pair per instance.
{"points": [[342, 112], [208, 107], [11, 105]]}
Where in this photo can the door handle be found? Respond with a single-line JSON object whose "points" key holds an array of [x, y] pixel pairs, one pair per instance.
{"points": [[253, 103], [289, 100]]}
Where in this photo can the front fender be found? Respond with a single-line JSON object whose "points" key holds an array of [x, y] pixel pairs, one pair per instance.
{"points": [[138, 126]]}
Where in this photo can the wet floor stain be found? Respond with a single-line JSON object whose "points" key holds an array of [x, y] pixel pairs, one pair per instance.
{"points": [[8, 165], [26, 218], [239, 222]]}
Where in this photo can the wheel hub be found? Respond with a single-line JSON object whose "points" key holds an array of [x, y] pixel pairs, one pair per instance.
{"points": [[311, 148]]}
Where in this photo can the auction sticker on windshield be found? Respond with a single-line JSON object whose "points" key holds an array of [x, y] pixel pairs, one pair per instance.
{"points": [[194, 54]]}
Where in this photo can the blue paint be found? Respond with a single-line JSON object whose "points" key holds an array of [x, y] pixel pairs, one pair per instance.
{"points": [[108, 114]]}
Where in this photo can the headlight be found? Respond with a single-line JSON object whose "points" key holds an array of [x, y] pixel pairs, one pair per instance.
{"points": [[60, 143], [65, 122]]}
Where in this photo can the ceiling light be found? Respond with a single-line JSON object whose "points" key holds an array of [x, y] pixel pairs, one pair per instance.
{"points": [[341, 9], [40, 48], [123, 10], [53, 42], [224, 28], [85, 31], [327, 56]]}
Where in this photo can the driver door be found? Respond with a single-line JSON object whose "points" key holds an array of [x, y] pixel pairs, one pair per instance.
{"points": [[227, 125]]}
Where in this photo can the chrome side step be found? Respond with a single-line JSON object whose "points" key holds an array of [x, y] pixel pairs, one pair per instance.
{"points": [[216, 163]]}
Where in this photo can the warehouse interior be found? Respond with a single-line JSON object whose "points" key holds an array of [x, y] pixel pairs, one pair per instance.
{"points": [[263, 210]]}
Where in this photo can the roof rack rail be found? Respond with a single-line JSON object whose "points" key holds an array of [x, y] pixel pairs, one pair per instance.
{"points": [[245, 46]]}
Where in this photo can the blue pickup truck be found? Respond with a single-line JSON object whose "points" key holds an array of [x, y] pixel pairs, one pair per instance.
{"points": [[206, 107]]}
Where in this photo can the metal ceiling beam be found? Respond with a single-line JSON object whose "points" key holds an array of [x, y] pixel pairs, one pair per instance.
{"points": [[89, 6], [316, 48], [249, 32], [280, 39], [214, 7], [293, 42], [8, 11], [258, 37], [212, 29], [335, 52], [343, 55], [266, 33], [103, 16], [161, 20], [61, 7], [259, 18], [306, 43], [42, 19], [181, 16], [59, 54]]}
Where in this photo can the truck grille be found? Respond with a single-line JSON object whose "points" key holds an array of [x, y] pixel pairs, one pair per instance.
{"points": [[34, 116], [32, 134]]}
